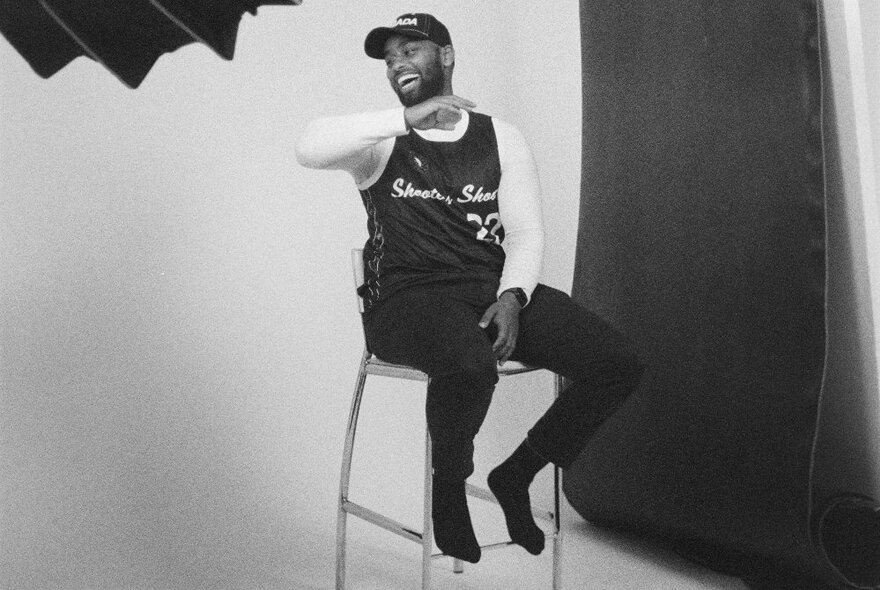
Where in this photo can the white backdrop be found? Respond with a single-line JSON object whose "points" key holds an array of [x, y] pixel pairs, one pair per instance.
{"points": [[179, 337]]}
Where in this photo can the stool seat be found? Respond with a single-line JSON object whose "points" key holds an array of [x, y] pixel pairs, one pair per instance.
{"points": [[376, 366]]}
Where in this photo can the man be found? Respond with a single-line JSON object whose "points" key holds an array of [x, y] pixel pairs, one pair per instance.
{"points": [[451, 276]]}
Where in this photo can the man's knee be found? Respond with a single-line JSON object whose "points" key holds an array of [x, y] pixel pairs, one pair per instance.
{"points": [[631, 370], [476, 374], [619, 373]]}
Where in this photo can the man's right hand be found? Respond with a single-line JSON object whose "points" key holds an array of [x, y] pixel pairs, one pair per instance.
{"points": [[438, 112]]}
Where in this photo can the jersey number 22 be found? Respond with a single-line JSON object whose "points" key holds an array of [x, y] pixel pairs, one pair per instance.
{"points": [[488, 228]]}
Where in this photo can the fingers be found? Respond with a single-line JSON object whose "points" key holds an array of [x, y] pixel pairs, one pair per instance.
{"points": [[449, 109], [501, 347], [440, 112], [505, 356], [500, 341], [447, 117], [505, 344], [489, 315], [508, 329], [454, 101]]}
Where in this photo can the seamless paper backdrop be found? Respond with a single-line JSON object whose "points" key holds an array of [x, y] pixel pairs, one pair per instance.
{"points": [[703, 237]]}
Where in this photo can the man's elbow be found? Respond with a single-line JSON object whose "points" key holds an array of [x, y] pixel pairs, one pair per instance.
{"points": [[306, 151]]}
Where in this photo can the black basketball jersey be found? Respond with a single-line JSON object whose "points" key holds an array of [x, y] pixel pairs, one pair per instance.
{"points": [[433, 214]]}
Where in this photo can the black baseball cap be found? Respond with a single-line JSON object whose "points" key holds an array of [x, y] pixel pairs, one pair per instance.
{"points": [[417, 25]]}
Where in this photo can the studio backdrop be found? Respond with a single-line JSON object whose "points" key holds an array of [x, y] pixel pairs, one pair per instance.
{"points": [[711, 233]]}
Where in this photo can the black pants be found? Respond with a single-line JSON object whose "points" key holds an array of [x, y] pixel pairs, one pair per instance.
{"points": [[434, 329]]}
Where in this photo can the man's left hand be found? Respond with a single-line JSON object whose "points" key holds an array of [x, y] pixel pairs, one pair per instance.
{"points": [[504, 313]]}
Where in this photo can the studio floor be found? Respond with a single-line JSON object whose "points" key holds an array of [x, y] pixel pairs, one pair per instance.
{"points": [[592, 559]]}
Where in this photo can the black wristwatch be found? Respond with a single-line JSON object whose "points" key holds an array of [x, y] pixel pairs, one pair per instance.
{"points": [[519, 294]]}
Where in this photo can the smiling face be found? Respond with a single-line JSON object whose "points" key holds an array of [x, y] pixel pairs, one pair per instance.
{"points": [[418, 69]]}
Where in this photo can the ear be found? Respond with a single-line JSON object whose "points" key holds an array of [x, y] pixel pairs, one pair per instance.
{"points": [[447, 55]]}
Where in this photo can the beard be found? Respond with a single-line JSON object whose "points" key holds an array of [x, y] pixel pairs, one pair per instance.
{"points": [[430, 85]]}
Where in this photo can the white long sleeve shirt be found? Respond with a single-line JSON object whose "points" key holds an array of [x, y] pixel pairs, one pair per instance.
{"points": [[361, 144]]}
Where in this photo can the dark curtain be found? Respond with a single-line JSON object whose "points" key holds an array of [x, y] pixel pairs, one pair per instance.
{"points": [[703, 238]]}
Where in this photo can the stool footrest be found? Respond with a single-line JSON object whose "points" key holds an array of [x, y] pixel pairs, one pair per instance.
{"points": [[486, 495], [488, 547], [386, 523]]}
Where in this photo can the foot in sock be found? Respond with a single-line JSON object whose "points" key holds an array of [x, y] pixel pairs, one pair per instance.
{"points": [[510, 484], [453, 531]]}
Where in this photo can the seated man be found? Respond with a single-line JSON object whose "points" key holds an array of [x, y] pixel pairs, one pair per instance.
{"points": [[451, 276]]}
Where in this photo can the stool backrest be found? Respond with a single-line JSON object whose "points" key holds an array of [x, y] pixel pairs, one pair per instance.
{"points": [[357, 266]]}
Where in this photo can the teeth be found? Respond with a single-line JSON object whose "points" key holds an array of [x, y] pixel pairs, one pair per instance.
{"points": [[406, 79]]}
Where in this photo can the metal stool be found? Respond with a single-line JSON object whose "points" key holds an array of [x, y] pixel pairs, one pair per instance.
{"points": [[371, 365]]}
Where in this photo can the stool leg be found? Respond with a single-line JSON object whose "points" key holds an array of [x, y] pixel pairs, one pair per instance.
{"points": [[427, 528], [457, 565], [557, 510], [557, 524], [345, 473]]}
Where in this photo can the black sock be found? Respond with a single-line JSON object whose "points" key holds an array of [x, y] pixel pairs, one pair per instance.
{"points": [[453, 531], [510, 483], [529, 461]]}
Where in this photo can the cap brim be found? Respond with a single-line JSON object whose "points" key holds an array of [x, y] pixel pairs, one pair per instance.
{"points": [[374, 44]]}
